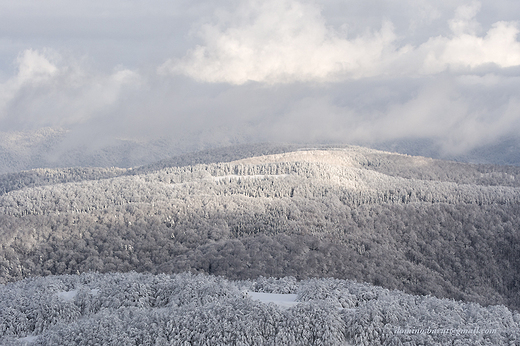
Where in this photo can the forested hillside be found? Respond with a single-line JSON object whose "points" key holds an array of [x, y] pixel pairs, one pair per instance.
{"points": [[419, 225], [184, 309], [49, 176]]}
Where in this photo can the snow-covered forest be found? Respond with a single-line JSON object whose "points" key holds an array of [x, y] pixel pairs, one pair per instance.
{"points": [[185, 309], [425, 227]]}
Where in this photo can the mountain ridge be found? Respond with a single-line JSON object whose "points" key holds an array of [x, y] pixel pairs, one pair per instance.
{"points": [[59, 148], [418, 225], [204, 213]]}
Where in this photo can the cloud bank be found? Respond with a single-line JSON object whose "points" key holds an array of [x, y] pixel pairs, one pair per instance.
{"points": [[196, 75], [47, 91], [289, 41]]}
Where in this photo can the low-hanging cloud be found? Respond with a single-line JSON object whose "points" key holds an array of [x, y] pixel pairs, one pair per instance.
{"points": [[49, 91], [465, 49], [320, 74], [289, 41], [455, 112]]}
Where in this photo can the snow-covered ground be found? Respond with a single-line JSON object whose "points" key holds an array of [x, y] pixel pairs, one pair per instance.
{"points": [[255, 176], [283, 300], [69, 295], [28, 339]]}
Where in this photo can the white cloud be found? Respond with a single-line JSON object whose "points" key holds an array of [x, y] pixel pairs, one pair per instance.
{"points": [[289, 41], [326, 70], [34, 67], [46, 91], [280, 41], [454, 111], [464, 21], [467, 50]]}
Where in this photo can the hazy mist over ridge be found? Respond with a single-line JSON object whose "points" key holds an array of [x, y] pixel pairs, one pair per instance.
{"points": [[170, 77]]}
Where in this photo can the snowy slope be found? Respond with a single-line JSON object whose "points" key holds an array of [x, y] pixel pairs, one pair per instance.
{"points": [[137, 309], [419, 225]]}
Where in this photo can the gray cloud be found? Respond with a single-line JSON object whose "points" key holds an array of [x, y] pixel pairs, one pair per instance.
{"points": [[49, 92], [215, 73]]}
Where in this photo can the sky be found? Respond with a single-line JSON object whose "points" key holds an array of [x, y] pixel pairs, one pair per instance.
{"points": [[218, 72]]}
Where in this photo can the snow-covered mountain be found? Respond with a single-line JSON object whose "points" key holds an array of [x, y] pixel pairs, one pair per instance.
{"points": [[414, 224], [60, 148]]}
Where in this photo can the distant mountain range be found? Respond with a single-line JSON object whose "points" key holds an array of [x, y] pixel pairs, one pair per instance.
{"points": [[59, 148], [505, 151]]}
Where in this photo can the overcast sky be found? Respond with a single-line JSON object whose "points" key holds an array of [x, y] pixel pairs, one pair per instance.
{"points": [[347, 71]]}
